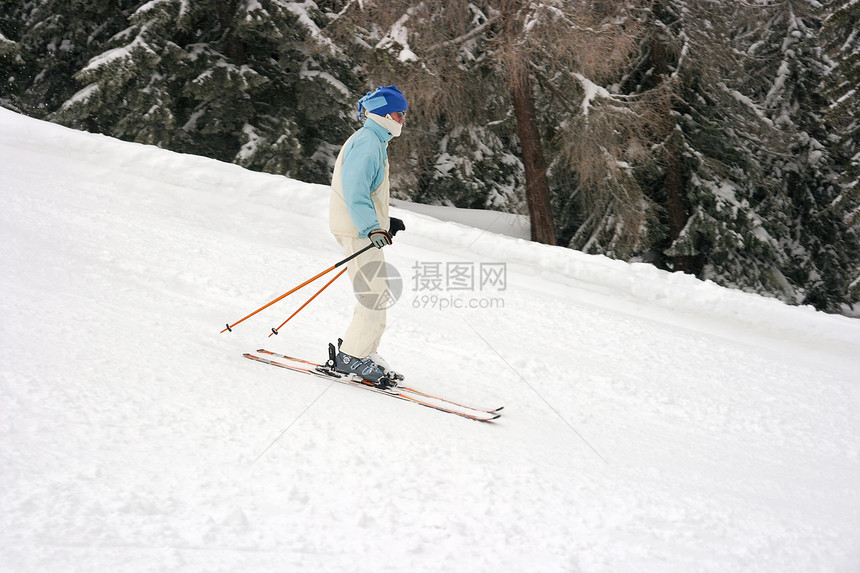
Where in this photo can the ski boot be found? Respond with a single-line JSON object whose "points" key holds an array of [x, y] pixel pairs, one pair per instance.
{"points": [[364, 368]]}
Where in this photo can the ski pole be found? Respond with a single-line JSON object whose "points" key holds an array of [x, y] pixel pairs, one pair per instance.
{"points": [[307, 282], [337, 276]]}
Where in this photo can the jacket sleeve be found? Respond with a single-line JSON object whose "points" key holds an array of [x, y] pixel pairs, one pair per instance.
{"points": [[361, 164]]}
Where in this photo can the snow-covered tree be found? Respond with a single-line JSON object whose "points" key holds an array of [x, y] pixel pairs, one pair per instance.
{"points": [[679, 156], [717, 138], [739, 168], [11, 66], [841, 35], [480, 69], [54, 39], [709, 181], [721, 137], [805, 207], [460, 148], [248, 82]]}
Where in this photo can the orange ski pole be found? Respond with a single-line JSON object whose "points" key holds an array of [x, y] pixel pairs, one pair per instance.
{"points": [[291, 291], [337, 276]]}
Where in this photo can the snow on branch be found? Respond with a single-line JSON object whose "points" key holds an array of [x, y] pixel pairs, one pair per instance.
{"points": [[399, 34], [81, 96], [121, 53], [747, 102], [301, 10], [150, 5], [306, 72], [592, 91], [477, 30]]}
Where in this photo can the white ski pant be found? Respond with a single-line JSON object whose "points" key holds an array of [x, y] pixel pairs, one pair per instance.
{"points": [[370, 284]]}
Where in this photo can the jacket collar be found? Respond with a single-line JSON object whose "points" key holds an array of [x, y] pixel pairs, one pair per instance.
{"points": [[383, 134]]}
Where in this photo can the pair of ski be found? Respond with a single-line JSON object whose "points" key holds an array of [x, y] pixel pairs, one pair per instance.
{"points": [[397, 391]]}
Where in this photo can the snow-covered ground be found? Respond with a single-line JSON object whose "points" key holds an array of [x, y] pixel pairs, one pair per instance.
{"points": [[653, 422]]}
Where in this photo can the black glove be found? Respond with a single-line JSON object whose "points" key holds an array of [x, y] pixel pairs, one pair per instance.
{"points": [[380, 238], [396, 225]]}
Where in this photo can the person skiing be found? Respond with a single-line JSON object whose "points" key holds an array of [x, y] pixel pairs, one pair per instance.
{"points": [[358, 211]]}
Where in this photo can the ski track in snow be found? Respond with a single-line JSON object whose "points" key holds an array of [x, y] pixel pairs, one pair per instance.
{"points": [[652, 422]]}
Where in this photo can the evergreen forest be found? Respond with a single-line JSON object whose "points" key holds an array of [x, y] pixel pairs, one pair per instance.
{"points": [[719, 138]]}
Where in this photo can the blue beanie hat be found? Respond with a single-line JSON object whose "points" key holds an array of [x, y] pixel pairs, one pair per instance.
{"points": [[385, 100]]}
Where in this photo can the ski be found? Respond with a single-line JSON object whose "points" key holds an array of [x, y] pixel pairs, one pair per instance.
{"points": [[393, 392], [399, 387]]}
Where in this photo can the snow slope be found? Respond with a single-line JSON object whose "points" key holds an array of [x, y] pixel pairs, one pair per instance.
{"points": [[653, 422]]}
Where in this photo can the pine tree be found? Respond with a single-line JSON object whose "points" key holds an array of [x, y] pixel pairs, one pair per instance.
{"points": [[482, 68], [799, 203], [740, 171], [243, 82], [12, 64], [54, 39], [727, 146], [459, 150], [706, 164], [600, 144], [841, 39]]}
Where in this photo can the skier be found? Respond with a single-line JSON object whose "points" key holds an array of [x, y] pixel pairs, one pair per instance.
{"points": [[358, 211]]}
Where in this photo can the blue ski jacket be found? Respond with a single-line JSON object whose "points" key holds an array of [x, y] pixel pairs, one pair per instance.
{"points": [[360, 184]]}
